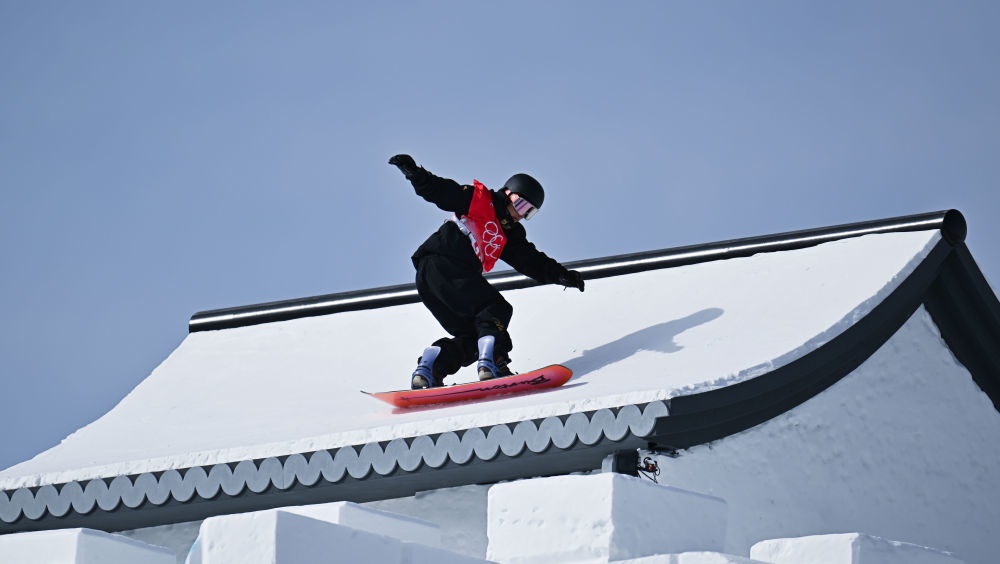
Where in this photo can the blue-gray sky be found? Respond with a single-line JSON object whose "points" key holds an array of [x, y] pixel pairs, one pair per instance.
{"points": [[158, 159]]}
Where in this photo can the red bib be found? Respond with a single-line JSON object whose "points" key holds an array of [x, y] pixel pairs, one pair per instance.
{"points": [[482, 227]]}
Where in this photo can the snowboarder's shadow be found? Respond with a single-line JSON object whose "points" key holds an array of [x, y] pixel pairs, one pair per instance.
{"points": [[659, 338]]}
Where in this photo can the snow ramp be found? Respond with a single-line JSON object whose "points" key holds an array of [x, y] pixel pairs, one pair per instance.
{"points": [[691, 352]]}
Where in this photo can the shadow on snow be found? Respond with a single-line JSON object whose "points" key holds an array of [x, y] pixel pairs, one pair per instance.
{"points": [[658, 338]]}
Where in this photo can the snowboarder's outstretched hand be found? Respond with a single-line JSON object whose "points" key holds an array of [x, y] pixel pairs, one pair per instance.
{"points": [[571, 279], [406, 165]]}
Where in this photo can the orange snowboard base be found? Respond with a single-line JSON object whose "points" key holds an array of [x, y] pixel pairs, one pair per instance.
{"points": [[548, 377]]}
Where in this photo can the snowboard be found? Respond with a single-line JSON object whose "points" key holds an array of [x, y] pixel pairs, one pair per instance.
{"points": [[548, 377]]}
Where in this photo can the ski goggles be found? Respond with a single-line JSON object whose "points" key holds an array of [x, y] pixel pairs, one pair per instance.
{"points": [[523, 207]]}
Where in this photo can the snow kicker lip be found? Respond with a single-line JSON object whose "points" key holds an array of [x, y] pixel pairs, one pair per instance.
{"points": [[126, 502], [951, 223]]}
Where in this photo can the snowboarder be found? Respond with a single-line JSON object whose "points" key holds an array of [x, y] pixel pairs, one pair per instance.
{"points": [[451, 262]]}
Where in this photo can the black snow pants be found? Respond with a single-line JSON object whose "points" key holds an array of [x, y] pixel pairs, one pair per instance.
{"points": [[468, 308]]}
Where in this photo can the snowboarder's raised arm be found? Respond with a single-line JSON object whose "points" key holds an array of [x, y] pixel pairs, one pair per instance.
{"points": [[445, 193], [528, 260]]}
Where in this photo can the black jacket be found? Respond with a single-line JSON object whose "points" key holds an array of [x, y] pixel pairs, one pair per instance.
{"points": [[450, 242]]}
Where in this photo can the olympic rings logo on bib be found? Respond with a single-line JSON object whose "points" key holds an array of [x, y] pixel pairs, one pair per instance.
{"points": [[493, 240]]}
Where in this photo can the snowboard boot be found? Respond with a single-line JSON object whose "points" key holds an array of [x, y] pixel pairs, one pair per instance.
{"points": [[489, 368], [424, 376], [503, 367]]}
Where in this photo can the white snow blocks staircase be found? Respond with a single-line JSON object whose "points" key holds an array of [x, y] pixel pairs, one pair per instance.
{"points": [[79, 546], [336, 532], [599, 518], [851, 548]]}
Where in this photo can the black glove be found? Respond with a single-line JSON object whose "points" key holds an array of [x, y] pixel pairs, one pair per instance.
{"points": [[407, 166], [571, 279]]}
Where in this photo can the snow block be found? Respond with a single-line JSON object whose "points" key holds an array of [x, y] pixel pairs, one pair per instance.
{"points": [[279, 536], [79, 546], [275, 537], [850, 548], [406, 529], [460, 514], [420, 554], [692, 558], [599, 518]]}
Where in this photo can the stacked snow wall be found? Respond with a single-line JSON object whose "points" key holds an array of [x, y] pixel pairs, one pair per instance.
{"points": [[605, 517]]}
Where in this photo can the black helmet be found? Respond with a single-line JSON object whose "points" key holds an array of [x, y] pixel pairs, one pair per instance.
{"points": [[526, 187]]}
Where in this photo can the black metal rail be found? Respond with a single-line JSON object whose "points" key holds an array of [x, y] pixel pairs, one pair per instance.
{"points": [[950, 222]]}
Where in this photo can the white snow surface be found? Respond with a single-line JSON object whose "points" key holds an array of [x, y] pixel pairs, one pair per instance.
{"points": [[78, 546], [280, 536], [460, 513], [293, 386], [599, 518], [903, 448], [692, 558], [847, 548]]}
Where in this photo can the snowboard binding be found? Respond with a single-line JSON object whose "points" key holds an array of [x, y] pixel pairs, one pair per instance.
{"points": [[424, 376], [488, 368]]}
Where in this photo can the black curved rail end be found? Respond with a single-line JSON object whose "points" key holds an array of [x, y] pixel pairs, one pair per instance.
{"points": [[712, 415]]}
